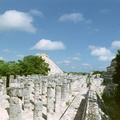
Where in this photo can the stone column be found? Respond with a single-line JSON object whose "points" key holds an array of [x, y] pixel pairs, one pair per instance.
{"points": [[21, 82], [69, 88], [44, 82], [57, 96], [31, 85], [50, 101], [4, 84], [38, 107], [40, 80], [26, 97], [18, 80], [64, 94], [11, 80], [44, 89], [14, 109], [1, 95], [36, 91]]}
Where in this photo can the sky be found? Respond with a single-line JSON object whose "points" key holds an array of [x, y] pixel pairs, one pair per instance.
{"points": [[78, 35]]}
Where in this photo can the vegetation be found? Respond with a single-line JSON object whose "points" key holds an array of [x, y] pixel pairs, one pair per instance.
{"points": [[98, 72], [33, 65], [84, 73], [116, 77], [28, 66], [68, 103], [112, 102], [78, 73], [112, 107]]}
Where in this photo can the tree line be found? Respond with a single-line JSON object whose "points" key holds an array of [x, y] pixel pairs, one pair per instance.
{"points": [[28, 66]]}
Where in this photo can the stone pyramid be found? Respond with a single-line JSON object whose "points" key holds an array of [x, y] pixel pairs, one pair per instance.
{"points": [[54, 69]]}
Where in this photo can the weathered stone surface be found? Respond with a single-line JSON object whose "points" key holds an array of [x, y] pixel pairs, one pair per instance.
{"points": [[50, 101], [69, 89], [58, 96], [14, 110], [26, 97], [53, 67], [94, 104], [38, 107]]}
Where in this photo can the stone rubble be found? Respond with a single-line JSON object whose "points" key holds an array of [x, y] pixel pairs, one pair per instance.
{"points": [[95, 108]]}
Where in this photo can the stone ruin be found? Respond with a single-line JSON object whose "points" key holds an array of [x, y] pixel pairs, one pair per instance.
{"points": [[54, 97], [53, 67], [110, 72], [110, 86]]}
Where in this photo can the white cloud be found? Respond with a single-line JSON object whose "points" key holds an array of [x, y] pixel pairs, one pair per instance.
{"points": [[45, 44], [104, 11], [74, 17], [102, 67], [99, 51], [103, 53], [20, 55], [66, 62], [73, 67], [15, 20], [115, 44], [75, 58], [91, 29], [1, 58], [92, 47], [63, 62], [77, 54], [88, 21], [85, 64], [36, 12], [6, 51], [9, 51], [106, 58]]}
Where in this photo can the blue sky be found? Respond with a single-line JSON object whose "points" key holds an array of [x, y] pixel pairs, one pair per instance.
{"points": [[78, 35]]}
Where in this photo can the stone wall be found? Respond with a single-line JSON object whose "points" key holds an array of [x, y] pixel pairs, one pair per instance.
{"points": [[94, 108], [110, 86], [110, 72]]}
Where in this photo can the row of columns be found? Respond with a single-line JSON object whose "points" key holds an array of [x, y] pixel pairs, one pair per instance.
{"points": [[57, 89]]}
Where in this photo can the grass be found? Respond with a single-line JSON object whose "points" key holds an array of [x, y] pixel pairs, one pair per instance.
{"points": [[73, 95], [67, 103], [112, 107]]}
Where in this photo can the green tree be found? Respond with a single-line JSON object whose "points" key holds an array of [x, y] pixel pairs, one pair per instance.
{"points": [[116, 76], [8, 68], [98, 72], [28, 66], [2, 67], [33, 65]]}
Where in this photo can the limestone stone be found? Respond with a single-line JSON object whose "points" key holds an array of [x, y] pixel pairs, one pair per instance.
{"points": [[38, 111], [58, 96], [26, 97], [64, 92], [53, 67], [50, 101], [14, 110], [1, 94], [36, 91], [4, 79]]}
